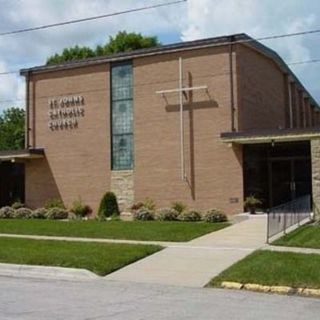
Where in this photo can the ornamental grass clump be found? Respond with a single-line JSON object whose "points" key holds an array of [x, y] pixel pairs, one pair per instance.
{"points": [[190, 216], [6, 213], [22, 213], [167, 214], [80, 209], [215, 215], [54, 203], [179, 206], [149, 204], [108, 206]]}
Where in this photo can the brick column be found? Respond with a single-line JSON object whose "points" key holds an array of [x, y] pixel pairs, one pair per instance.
{"points": [[315, 161]]}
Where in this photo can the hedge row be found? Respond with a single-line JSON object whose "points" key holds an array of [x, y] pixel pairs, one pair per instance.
{"points": [[42, 213], [171, 214]]}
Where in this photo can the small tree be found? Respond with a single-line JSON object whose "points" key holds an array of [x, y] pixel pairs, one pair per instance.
{"points": [[12, 129], [108, 205]]}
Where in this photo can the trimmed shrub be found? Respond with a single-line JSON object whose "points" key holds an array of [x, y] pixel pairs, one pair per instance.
{"points": [[22, 213], [17, 205], [143, 214], [40, 213], [54, 203], [167, 214], [190, 215], [179, 206], [80, 209], [215, 215], [136, 206], [6, 213], [109, 205], [114, 217], [57, 213]]}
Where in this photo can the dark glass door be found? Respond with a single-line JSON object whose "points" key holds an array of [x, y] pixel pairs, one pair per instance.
{"points": [[11, 183], [289, 179], [302, 177], [281, 182]]}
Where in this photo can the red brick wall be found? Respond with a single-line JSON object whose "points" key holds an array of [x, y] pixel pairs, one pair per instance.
{"points": [[214, 171], [261, 90], [78, 160]]}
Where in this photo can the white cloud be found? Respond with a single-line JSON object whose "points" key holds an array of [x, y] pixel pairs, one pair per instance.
{"points": [[32, 48], [209, 18], [192, 20]]}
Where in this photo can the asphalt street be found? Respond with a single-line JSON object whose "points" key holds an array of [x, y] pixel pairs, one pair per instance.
{"points": [[22, 298]]}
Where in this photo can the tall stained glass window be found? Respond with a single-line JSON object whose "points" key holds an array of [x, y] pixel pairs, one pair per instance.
{"points": [[122, 116]]}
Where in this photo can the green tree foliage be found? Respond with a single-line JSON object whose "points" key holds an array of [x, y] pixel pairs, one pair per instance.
{"points": [[108, 205], [69, 54], [12, 129], [122, 42]]}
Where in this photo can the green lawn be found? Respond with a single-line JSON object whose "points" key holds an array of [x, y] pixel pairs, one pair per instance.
{"points": [[274, 268], [96, 257], [133, 230], [305, 236]]}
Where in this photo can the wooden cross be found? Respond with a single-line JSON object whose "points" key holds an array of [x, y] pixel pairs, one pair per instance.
{"points": [[182, 91]]}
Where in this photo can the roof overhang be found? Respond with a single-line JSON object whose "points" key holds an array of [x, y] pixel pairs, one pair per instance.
{"points": [[21, 155], [271, 136]]}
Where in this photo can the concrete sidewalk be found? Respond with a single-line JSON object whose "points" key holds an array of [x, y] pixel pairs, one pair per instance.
{"points": [[199, 260]]}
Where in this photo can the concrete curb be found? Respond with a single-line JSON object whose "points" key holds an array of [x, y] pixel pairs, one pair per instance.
{"points": [[290, 249], [44, 272], [315, 293]]}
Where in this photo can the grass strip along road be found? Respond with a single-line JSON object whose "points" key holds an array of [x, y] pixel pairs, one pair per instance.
{"points": [[275, 269], [96, 257]]}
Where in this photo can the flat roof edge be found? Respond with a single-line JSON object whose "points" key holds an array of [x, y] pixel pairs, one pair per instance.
{"points": [[239, 38], [21, 154], [175, 47]]}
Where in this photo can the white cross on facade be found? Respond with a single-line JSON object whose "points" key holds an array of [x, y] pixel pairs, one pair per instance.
{"points": [[182, 90]]}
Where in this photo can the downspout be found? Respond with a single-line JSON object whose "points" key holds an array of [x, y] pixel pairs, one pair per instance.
{"points": [[290, 103], [27, 129], [231, 84]]}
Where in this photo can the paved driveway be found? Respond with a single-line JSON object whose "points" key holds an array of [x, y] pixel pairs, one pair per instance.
{"points": [[26, 299], [194, 263]]}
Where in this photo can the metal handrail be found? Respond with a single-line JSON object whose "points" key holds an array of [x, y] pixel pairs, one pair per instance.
{"points": [[286, 215]]}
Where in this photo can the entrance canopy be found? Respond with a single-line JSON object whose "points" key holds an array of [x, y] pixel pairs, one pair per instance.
{"points": [[25, 154], [270, 136]]}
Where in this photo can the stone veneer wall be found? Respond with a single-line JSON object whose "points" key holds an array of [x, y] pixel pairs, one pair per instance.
{"points": [[315, 160], [122, 186]]}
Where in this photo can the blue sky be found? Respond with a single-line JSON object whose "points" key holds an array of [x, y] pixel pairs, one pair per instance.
{"points": [[188, 21]]}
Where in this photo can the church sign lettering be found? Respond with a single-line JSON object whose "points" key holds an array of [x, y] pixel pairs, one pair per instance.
{"points": [[64, 112]]}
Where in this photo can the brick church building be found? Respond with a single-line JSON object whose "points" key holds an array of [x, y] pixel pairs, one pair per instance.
{"points": [[206, 122]]}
